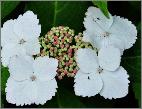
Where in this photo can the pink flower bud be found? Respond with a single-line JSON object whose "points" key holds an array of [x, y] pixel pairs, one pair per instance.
{"points": [[70, 61], [70, 50], [62, 46], [65, 72], [75, 71], [63, 40], [55, 38], [67, 63], [70, 55], [55, 42]]}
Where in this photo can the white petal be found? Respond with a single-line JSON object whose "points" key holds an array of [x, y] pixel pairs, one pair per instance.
{"points": [[46, 90], [7, 34], [87, 84], [32, 46], [92, 27], [113, 41], [20, 67], [81, 75], [95, 28], [87, 36], [10, 50], [45, 68], [100, 18], [87, 60], [20, 93], [115, 83], [27, 26], [125, 30], [109, 58]]}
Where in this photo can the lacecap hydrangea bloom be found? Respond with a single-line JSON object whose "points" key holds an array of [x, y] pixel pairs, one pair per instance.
{"points": [[101, 31], [31, 81], [20, 36]]}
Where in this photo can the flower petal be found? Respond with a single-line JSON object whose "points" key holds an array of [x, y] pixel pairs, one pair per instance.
{"points": [[96, 25], [87, 60], [87, 84], [109, 58], [113, 41], [20, 93], [125, 30], [27, 26], [87, 36], [32, 46], [115, 83], [20, 67], [101, 20], [92, 27], [7, 34], [45, 68], [10, 50], [46, 90]]}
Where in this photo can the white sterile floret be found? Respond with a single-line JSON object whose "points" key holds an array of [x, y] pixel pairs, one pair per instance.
{"points": [[20, 36], [109, 58], [102, 31], [31, 81], [100, 75]]}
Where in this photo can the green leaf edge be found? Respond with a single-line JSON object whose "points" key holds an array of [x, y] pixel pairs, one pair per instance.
{"points": [[103, 7]]}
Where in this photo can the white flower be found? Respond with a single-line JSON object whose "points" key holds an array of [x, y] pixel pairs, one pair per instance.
{"points": [[31, 81], [20, 36], [100, 74], [101, 31]]}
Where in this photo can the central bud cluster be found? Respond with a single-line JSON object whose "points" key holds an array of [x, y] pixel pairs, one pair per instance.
{"points": [[61, 43], [106, 34], [99, 70], [33, 78], [22, 41]]}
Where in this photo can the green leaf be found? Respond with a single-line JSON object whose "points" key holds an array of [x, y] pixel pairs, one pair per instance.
{"points": [[132, 63], [103, 6], [68, 99], [4, 77], [7, 7], [2, 104], [56, 13], [133, 66], [65, 96]]}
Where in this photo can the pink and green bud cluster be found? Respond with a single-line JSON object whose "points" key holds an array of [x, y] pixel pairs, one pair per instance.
{"points": [[61, 43]]}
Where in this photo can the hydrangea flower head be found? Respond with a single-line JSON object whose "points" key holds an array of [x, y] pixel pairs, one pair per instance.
{"points": [[61, 44], [20, 36], [100, 74], [31, 81], [101, 31]]}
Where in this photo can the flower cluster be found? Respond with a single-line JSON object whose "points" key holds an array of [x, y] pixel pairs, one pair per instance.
{"points": [[92, 58], [31, 80], [100, 72], [61, 44]]}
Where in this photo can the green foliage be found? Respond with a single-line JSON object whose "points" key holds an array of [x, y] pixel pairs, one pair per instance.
{"points": [[103, 6], [68, 99], [132, 64], [4, 77], [7, 7], [56, 13], [2, 104], [65, 96]]}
